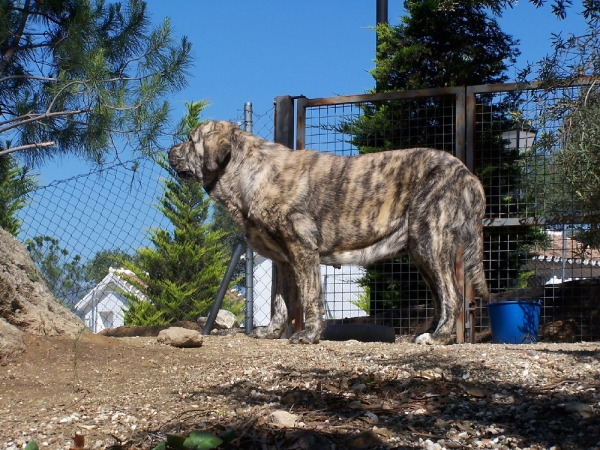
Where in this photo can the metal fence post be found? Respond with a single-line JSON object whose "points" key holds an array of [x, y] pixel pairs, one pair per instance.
{"points": [[249, 251]]}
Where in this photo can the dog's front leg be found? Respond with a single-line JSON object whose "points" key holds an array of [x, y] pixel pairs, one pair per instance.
{"points": [[308, 276], [284, 300]]}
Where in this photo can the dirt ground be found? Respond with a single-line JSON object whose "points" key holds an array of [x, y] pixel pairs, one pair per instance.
{"points": [[128, 393]]}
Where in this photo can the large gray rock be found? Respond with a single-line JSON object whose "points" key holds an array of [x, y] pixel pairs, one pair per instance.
{"points": [[180, 337], [26, 304]]}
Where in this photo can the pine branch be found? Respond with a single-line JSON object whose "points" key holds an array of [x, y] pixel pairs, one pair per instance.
{"points": [[25, 147], [13, 47]]}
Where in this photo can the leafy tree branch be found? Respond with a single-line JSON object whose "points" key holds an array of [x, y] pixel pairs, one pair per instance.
{"points": [[84, 74]]}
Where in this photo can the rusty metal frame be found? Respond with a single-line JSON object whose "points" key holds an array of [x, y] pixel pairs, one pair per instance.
{"points": [[302, 103], [465, 110]]}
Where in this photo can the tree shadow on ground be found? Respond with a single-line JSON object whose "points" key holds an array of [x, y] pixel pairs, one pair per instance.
{"points": [[399, 408]]}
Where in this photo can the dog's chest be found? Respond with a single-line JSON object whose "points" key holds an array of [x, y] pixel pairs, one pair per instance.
{"points": [[263, 242]]}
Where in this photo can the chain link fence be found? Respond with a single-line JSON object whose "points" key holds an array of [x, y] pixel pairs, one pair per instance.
{"points": [[540, 240], [79, 230]]}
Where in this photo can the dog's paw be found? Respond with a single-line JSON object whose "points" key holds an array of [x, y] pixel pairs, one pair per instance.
{"points": [[424, 339], [305, 337], [264, 333], [433, 339]]}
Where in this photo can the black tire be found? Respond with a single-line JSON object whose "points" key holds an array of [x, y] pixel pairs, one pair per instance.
{"points": [[360, 332]]}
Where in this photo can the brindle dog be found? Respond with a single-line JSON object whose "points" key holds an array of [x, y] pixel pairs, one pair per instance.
{"points": [[302, 208]]}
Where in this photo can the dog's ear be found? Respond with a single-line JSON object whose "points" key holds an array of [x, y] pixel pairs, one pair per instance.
{"points": [[217, 145]]}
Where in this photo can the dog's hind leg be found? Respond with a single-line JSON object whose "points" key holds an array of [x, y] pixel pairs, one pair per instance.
{"points": [[437, 265], [285, 299]]}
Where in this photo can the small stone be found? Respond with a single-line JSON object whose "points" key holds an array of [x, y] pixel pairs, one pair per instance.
{"points": [[284, 418], [372, 417], [366, 439], [226, 320], [582, 409]]}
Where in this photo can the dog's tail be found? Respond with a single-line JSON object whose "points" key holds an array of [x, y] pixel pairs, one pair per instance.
{"points": [[474, 273], [473, 251]]}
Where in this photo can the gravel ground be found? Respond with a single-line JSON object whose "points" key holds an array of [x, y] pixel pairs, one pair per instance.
{"points": [[127, 393]]}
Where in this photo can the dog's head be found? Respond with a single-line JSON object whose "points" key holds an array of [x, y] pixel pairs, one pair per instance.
{"points": [[205, 153]]}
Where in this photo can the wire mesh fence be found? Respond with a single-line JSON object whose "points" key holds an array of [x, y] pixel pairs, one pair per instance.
{"points": [[522, 142], [533, 150], [540, 227], [390, 292], [80, 230]]}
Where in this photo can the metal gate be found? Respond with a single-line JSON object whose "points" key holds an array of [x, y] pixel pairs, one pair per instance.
{"points": [[503, 134]]}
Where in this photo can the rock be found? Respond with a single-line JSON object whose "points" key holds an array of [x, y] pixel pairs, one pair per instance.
{"points": [[180, 337], [582, 409], [284, 418], [366, 439], [26, 304], [226, 320], [147, 331], [11, 339]]}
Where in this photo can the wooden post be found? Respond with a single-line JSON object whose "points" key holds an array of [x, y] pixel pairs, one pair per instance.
{"points": [[460, 280]]}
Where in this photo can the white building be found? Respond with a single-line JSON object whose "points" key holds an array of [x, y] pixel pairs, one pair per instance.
{"points": [[103, 306], [340, 291]]}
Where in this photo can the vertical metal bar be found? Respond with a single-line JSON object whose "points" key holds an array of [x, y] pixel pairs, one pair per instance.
{"points": [[460, 280], [248, 117], [382, 11], [460, 131], [470, 126], [301, 123], [249, 252], [284, 121], [284, 134], [470, 305], [381, 17], [298, 314]]}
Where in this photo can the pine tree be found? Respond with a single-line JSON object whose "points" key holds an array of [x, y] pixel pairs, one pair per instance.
{"points": [[16, 183], [437, 44], [78, 75], [181, 273]]}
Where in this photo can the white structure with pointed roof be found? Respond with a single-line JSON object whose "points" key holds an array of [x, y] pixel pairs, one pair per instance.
{"points": [[103, 306]]}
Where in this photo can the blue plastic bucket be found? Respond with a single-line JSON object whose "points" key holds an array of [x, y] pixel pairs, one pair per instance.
{"points": [[514, 321]]}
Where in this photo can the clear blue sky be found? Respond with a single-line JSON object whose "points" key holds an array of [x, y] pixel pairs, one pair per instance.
{"points": [[256, 50]]}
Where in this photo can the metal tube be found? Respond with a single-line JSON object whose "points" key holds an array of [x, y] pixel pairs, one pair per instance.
{"points": [[248, 117], [382, 11], [249, 252], [381, 17], [236, 254]]}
